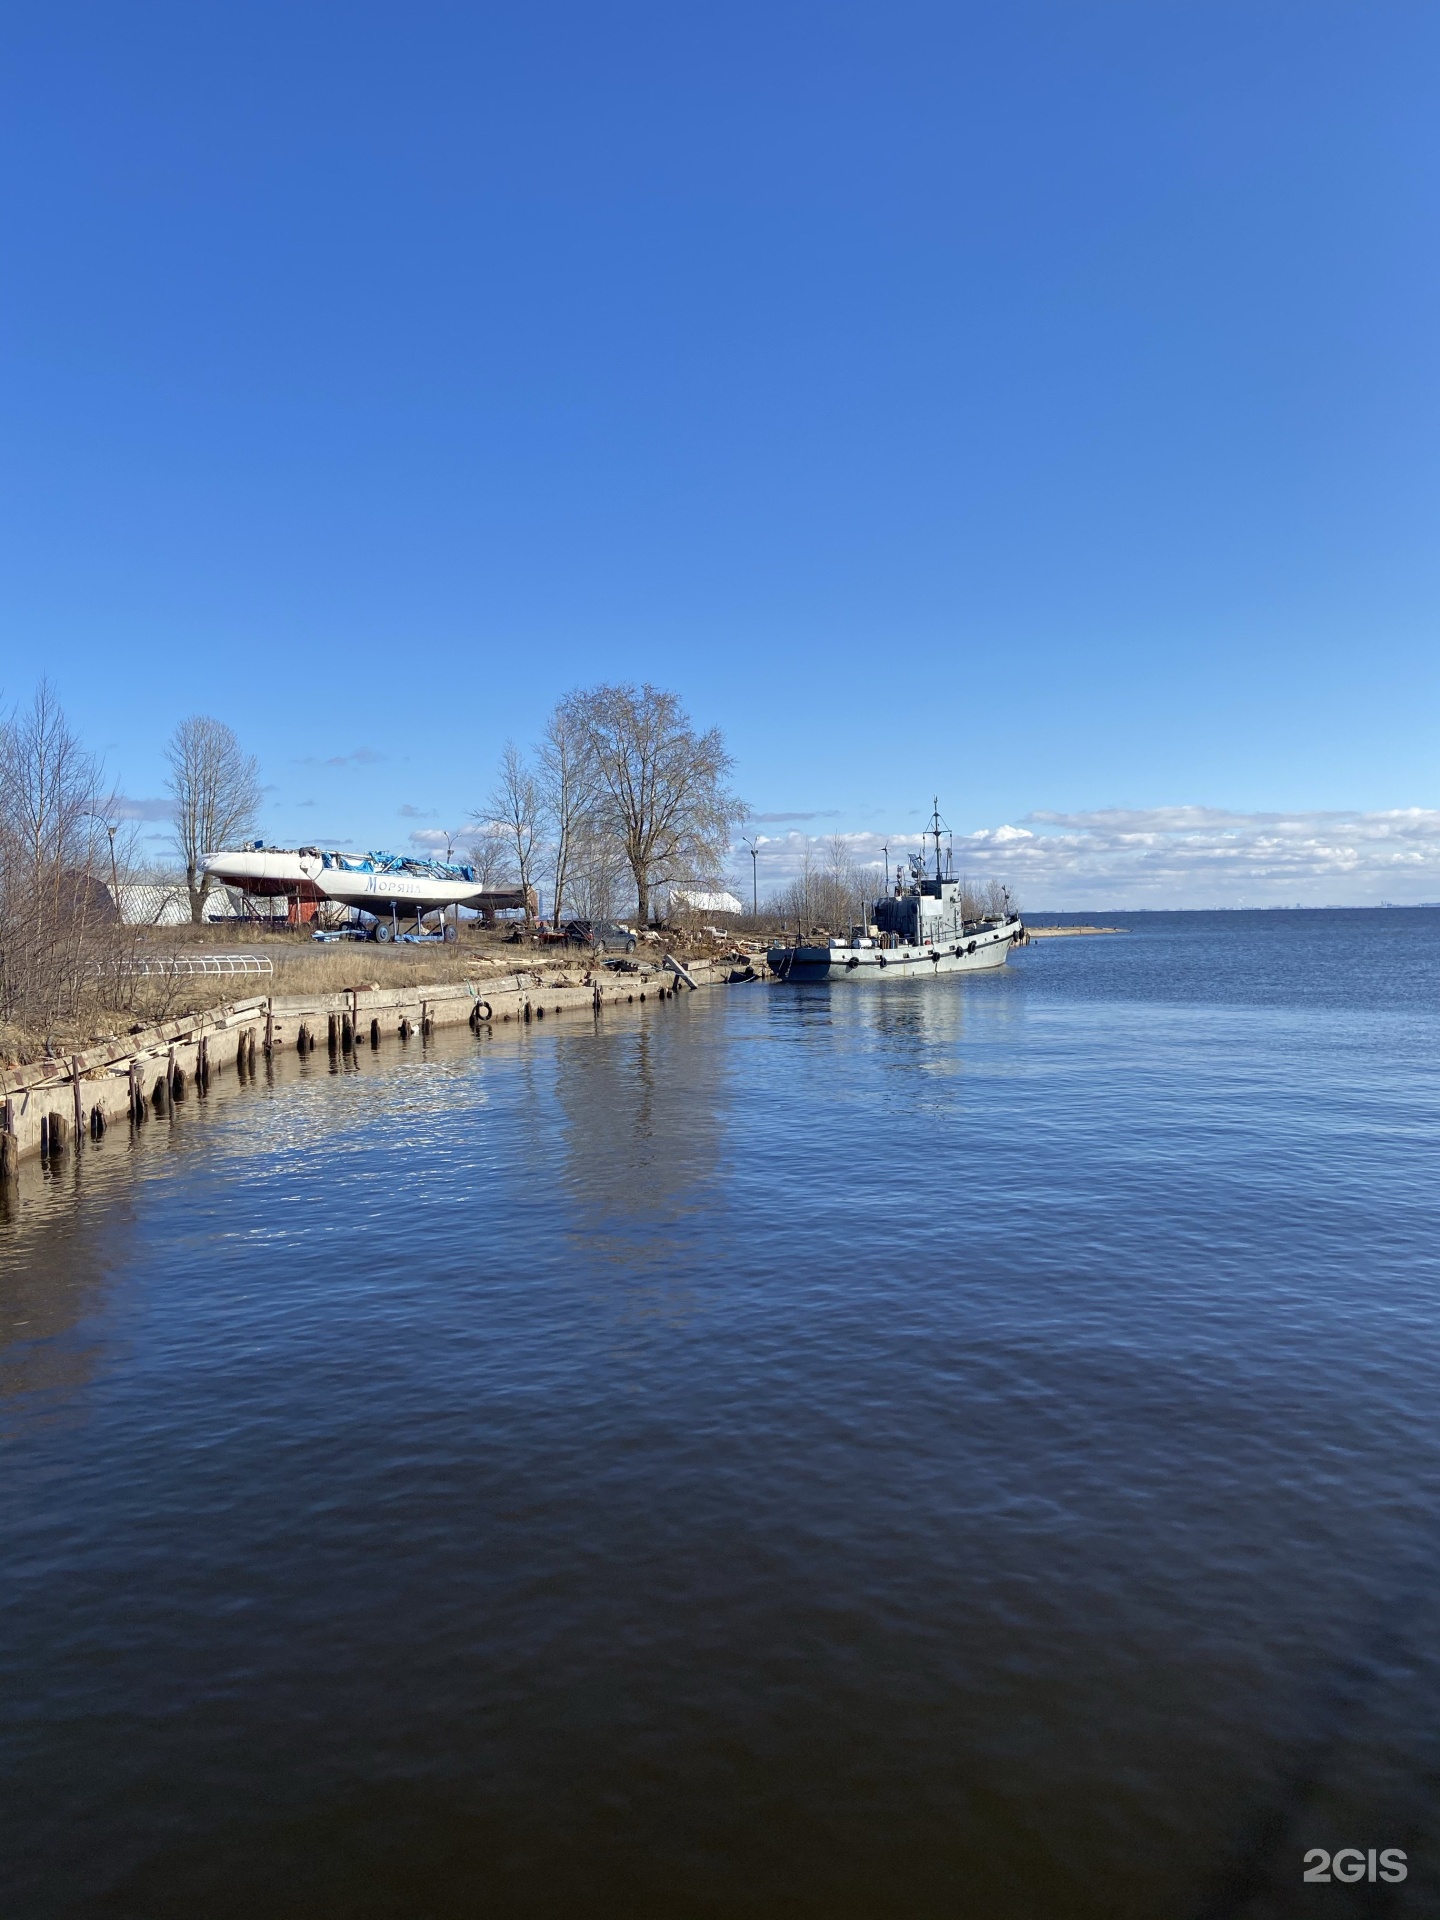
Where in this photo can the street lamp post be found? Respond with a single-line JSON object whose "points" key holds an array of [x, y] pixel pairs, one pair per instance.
{"points": [[754, 879], [114, 876], [451, 912]]}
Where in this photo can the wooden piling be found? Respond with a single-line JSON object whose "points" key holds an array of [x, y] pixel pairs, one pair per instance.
{"points": [[9, 1143], [156, 1072]]}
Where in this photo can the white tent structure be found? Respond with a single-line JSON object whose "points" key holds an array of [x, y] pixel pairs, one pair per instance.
{"points": [[153, 903], [149, 904], [690, 900]]}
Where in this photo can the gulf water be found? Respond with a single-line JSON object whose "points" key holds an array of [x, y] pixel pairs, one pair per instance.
{"points": [[911, 1448]]}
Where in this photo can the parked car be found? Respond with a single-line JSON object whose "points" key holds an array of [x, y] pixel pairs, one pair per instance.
{"points": [[600, 936]]}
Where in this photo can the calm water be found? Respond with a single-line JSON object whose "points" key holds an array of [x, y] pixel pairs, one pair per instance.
{"points": [[953, 1448]]}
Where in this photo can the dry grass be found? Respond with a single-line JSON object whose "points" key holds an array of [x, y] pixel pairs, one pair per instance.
{"points": [[109, 1008], [301, 966]]}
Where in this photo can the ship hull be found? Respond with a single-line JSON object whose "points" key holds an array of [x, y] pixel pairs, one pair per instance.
{"points": [[378, 892], [310, 876], [267, 873], [977, 953]]}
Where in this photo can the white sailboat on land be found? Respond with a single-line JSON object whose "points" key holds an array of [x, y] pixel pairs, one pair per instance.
{"points": [[382, 886]]}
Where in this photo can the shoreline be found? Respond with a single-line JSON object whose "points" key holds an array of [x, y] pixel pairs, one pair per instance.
{"points": [[53, 1106], [1056, 933]]}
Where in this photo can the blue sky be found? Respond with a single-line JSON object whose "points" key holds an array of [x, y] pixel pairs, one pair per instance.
{"points": [[1034, 404]]}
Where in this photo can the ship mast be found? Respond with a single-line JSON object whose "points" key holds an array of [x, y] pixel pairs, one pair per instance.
{"points": [[934, 830]]}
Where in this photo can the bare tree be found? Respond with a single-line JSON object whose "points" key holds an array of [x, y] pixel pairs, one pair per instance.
{"points": [[663, 783], [797, 901], [53, 849], [999, 901], [597, 869], [490, 858], [216, 788], [830, 890], [514, 807], [569, 790], [847, 886]]}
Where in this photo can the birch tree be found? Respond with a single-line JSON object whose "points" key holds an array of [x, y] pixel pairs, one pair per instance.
{"points": [[216, 788], [569, 789], [597, 870], [53, 903], [514, 808], [490, 857]]}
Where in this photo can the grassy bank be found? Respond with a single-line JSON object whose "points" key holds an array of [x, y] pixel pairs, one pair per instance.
{"points": [[123, 995]]}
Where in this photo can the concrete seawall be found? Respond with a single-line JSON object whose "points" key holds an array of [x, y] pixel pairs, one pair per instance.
{"points": [[48, 1107]]}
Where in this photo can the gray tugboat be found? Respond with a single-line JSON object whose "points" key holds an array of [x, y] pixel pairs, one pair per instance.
{"points": [[918, 928]]}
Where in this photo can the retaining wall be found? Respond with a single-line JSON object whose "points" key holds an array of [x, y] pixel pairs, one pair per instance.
{"points": [[48, 1107]]}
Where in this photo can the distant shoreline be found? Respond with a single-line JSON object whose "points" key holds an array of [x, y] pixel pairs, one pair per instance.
{"points": [[1051, 933], [1379, 906]]}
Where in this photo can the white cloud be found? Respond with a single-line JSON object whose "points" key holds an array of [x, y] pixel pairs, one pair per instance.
{"points": [[361, 757], [773, 819], [1185, 856], [126, 808]]}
